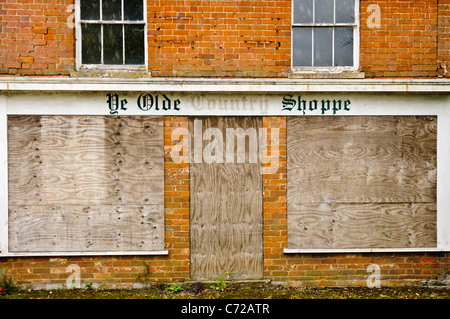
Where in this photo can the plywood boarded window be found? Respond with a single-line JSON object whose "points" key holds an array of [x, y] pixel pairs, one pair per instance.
{"points": [[361, 182], [85, 183]]}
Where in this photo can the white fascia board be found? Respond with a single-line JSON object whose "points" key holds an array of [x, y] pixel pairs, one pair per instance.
{"points": [[61, 84]]}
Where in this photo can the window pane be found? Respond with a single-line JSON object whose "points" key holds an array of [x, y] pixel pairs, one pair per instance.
{"points": [[91, 44], [345, 11], [323, 41], [112, 44], [302, 46], [343, 46], [324, 11], [90, 9], [303, 11], [134, 44], [112, 9], [133, 10]]}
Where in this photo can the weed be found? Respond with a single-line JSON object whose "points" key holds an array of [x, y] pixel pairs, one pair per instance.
{"points": [[221, 284], [145, 275], [174, 288], [7, 284]]}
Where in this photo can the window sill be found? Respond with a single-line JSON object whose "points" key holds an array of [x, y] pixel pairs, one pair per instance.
{"points": [[131, 74], [70, 254], [326, 75], [360, 250]]}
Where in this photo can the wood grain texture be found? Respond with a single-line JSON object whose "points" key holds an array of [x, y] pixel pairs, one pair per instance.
{"points": [[362, 225], [94, 228], [362, 159], [74, 162], [357, 182], [226, 213]]}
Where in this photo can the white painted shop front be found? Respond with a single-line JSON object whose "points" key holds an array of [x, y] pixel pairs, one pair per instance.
{"points": [[202, 97]]}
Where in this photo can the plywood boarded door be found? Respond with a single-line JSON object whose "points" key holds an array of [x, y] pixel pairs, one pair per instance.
{"points": [[226, 198]]}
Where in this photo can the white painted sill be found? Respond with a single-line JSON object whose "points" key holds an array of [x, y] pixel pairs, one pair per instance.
{"points": [[361, 250], [87, 254]]}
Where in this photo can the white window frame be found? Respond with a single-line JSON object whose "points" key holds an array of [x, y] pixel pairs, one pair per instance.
{"points": [[108, 67], [328, 69]]}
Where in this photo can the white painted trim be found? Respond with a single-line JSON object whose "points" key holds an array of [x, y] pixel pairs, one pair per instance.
{"points": [[3, 177], [77, 35], [11, 84], [360, 250], [68, 254], [443, 182]]}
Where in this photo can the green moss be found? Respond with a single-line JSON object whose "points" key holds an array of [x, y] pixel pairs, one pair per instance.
{"points": [[199, 291]]}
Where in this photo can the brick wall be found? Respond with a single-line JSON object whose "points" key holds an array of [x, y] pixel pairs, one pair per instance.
{"points": [[36, 38], [228, 39], [404, 44], [219, 38], [444, 38]]}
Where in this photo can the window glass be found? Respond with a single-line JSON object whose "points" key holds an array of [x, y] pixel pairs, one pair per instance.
{"points": [[324, 11], [90, 10], [134, 44], [323, 46], [343, 46], [133, 10], [112, 44], [345, 11], [303, 11], [302, 44], [91, 49], [112, 9]]}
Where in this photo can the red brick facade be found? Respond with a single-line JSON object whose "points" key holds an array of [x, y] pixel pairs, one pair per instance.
{"points": [[216, 39]]}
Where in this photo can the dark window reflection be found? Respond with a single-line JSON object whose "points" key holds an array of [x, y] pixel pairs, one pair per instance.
{"points": [[133, 10], [91, 48], [112, 44], [134, 44], [90, 9], [112, 10]]}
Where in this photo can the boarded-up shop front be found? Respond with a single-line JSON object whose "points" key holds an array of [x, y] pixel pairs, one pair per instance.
{"points": [[225, 179]]}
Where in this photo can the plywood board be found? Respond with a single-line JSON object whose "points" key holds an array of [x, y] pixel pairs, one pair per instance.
{"points": [[74, 162], [369, 176], [362, 159], [96, 228], [325, 226], [226, 212]]}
